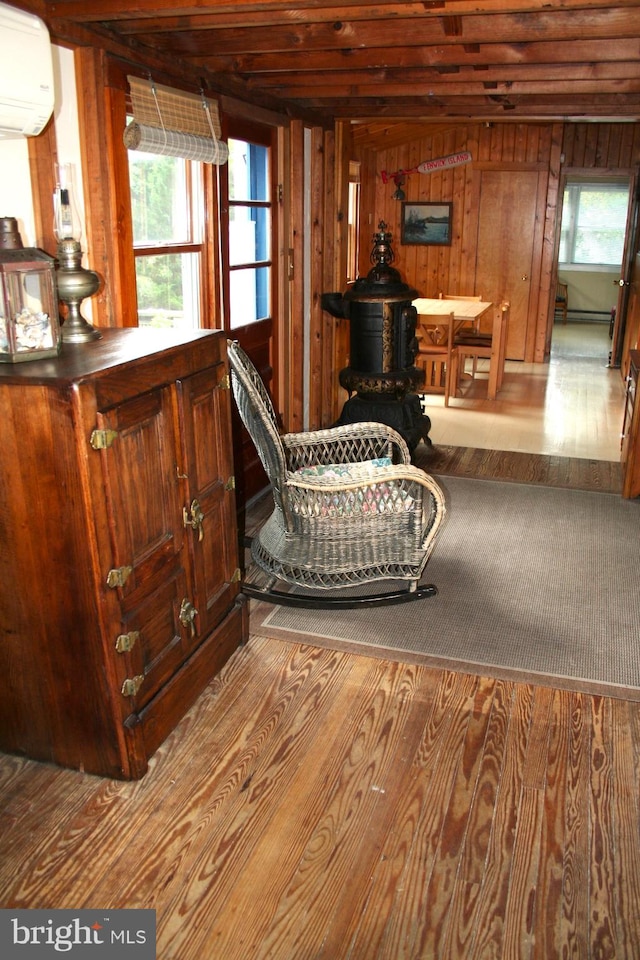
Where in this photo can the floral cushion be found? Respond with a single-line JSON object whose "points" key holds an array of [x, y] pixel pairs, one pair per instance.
{"points": [[357, 471]]}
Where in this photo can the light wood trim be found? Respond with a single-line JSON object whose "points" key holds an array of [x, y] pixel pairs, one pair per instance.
{"points": [[294, 347], [102, 117]]}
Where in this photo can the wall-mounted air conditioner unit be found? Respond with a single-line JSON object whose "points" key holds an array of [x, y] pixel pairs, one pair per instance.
{"points": [[26, 74]]}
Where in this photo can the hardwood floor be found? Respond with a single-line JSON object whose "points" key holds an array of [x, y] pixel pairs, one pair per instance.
{"points": [[317, 804], [557, 424], [569, 407]]}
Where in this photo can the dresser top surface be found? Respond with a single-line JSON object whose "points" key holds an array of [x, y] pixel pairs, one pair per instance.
{"points": [[116, 347]]}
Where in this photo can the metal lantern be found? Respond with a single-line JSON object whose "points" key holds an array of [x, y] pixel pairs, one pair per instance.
{"points": [[29, 325]]}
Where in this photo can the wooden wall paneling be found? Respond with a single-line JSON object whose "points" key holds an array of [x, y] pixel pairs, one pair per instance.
{"points": [[293, 347], [335, 332], [281, 328], [604, 146], [469, 199], [370, 185], [591, 145], [330, 281], [109, 249], [551, 242], [541, 267], [316, 277], [43, 154]]}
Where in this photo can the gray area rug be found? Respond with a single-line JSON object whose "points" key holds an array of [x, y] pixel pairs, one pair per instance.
{"points": [[534, 583]]}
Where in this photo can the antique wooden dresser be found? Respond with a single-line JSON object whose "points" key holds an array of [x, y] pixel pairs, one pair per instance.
{"points": [[119, 595]]}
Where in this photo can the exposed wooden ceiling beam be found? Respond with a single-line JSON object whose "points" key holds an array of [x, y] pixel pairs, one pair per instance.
{"points": [[555, 26], [436, 60], [273, 11], [498, 56]]}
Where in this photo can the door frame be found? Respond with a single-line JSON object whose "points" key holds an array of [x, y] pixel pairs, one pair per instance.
{"points": [[631, 229]]}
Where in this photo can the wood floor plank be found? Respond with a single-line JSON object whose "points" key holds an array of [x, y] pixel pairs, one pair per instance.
{"points": [[268, 829], [464, 905], [211, 833], [574, 920], [353, 825], [510, 466], [626, 816], [397, 902], [454, 833], [603, 852], [547, 929], [523, 885], [101, 803], [492, 901]]}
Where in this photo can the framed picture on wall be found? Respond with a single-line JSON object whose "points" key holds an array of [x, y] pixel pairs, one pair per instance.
{"points": [[426, 223]]}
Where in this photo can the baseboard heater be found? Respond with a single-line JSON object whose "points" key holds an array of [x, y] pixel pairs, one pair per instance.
{"points": [[589, 316]]}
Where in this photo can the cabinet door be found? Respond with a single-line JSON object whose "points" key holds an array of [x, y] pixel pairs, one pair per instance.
{"points": [[209, 508], [145, 571]]}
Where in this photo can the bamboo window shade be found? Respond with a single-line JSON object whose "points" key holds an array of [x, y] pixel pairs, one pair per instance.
{"points": [[174, 123]]}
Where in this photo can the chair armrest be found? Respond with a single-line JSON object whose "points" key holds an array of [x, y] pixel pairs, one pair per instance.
{"points": [[388, 491], [351, 443]]}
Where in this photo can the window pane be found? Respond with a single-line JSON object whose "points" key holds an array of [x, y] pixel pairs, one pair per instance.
{"points": [[593, 224], [249, 295], [249, 232], [159, 199], [601, 225], [168, 288], [248, 171]]}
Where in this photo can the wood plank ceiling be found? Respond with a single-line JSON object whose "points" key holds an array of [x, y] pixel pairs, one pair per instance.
{"points": [[386, 66]]}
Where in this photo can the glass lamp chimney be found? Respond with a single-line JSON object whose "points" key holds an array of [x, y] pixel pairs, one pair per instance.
{"points": [[66, 221]]}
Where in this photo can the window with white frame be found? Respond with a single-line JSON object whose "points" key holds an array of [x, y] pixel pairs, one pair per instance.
{"points": [[166, 206], [594, 217], [249, 222]]}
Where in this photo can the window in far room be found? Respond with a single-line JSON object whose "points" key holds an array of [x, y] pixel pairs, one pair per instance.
{"points": [[594, 217]]}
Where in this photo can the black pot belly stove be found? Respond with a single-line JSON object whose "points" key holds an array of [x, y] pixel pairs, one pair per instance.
{"points": [[381, 378]]}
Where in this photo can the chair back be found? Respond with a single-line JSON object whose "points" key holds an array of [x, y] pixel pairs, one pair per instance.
{"points": [[434, 332], [258, 415]]}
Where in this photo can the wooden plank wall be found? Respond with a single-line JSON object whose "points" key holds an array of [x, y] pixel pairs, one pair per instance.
{"points": [[605, 148], [503, 146]]}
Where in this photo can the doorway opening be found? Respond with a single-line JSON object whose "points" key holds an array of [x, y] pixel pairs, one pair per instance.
{"points": [[590, 260]]}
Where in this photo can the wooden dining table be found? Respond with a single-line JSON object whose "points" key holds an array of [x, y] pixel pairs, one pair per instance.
{"points": [[471, 311]]}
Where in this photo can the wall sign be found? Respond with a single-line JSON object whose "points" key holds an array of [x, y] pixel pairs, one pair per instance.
{"points": [[431, 166]]}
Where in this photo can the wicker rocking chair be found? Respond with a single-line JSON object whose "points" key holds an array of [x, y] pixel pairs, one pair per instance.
{"points": [[349, 508]]}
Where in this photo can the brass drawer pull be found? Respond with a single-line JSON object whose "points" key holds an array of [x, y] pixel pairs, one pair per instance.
{"points": [[188, 614]]}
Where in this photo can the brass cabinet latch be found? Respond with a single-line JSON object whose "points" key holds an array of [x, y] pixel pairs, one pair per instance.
{"points": [[188, 614], [225, 383], [127, 641], [230, 484], [102, 439], [193, 517], [131, 686], [118, 576]]}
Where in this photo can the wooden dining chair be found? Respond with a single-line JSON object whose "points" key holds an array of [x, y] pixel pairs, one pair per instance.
{"points": [[491, 348], [562, 300], [471, 325], [434, 333]]}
